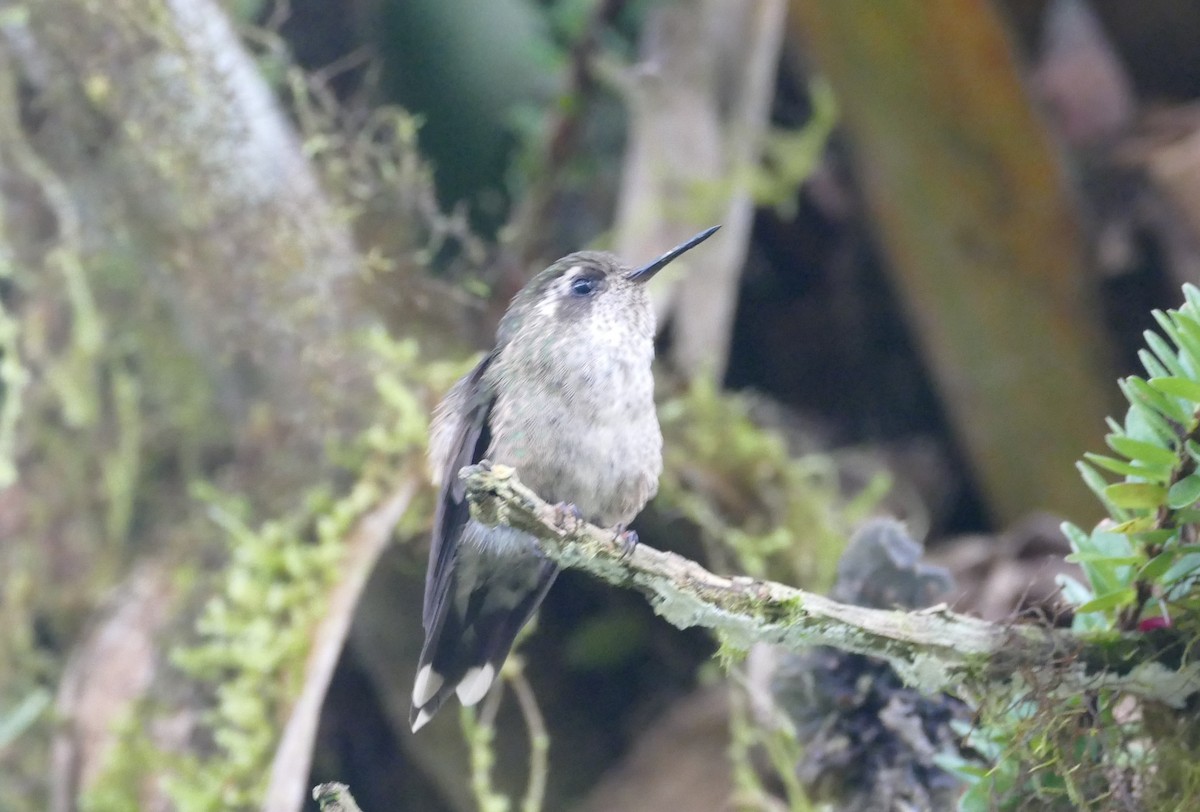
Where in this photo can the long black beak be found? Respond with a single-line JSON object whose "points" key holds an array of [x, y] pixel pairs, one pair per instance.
{"points": [[644, 273]]}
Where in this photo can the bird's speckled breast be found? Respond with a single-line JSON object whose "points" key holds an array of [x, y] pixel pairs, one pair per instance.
{"points": [[584, 428]]}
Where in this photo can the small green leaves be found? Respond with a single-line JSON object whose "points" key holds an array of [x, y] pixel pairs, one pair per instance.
{"points": [[1157, 567], [1152, 473], [1098, 484], [1157, 461], [1163, 406], [1111, 600], [1134, 495], [1139, 526], [1097, 558], [1165, 354], [1183, 569], [1110, 562], [1141, 451], [1184, 493], [1143, 422], [1177, 387]]}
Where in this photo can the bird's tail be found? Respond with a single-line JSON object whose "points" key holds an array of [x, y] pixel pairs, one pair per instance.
{"points": [[468, 641]]}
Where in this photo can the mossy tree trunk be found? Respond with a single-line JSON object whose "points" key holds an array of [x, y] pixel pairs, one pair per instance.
{"points": [[200, 288], [164, 129]]}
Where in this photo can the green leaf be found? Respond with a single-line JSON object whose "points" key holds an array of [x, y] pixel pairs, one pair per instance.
{"points": [[1073, 590], [979, 797], [1178, 354], [961, 766], [1096, 558], [1187, 337], [1136, 495], [1184, 493], [1189, 333], [1091, 477], [1167, 406], [1156, 567], [1075, 535], [1177, 387], [1098, 552], [1142, 524], [1164, 352], [1153, 473], [1154, 367], [1159, 537], [1141, 450], [1143, 423], [1119, 597], [1192, 296], [1174, 324], [1077, 594], [1149, 425], [1186, 566]]}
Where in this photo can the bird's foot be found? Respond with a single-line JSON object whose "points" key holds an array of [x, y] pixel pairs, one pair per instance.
{"points": [[568, 516], [628, 539]]}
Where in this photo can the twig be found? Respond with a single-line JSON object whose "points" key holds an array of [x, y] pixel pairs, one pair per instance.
{"points": [[933, 649], [290, 767], [539, 739], [480, 734], [689, 158]]}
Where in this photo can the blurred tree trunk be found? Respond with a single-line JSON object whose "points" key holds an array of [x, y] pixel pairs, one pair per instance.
{"points": [[699, 108], [181, 208], [973, 211], [176, 208], [167, 136]]}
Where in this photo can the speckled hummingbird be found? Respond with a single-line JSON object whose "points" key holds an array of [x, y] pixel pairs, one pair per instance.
{"points": [[567, 399]]}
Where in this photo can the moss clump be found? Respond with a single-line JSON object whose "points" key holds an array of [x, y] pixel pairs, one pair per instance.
{"points": [[255, 631]]}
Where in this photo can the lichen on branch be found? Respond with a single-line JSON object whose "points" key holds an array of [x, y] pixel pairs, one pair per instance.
{"points": [[933, 649]]}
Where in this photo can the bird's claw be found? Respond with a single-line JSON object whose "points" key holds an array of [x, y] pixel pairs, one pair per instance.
{"points": [[567, 514], [629, 541]]}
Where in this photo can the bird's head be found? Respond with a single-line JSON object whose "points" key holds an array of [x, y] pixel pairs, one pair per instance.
{"points": [[589, 292]]}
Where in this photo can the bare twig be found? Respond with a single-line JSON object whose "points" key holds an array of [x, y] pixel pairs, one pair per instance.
{"points": [[293, 757], [933, 649], [699, 105], [539, 739]]}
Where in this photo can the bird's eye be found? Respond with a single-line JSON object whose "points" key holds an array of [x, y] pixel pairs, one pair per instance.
{"points": [[584, 286]]}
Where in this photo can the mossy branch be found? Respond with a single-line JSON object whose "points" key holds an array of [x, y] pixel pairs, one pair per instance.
{"points": [[933, 649]]}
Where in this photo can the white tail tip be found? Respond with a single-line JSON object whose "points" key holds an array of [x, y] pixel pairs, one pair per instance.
{"points": [[427, 684], [474, 685], [422, 719]]}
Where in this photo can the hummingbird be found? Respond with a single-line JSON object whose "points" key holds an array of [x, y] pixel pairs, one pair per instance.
{"points": [[566, 398]]}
